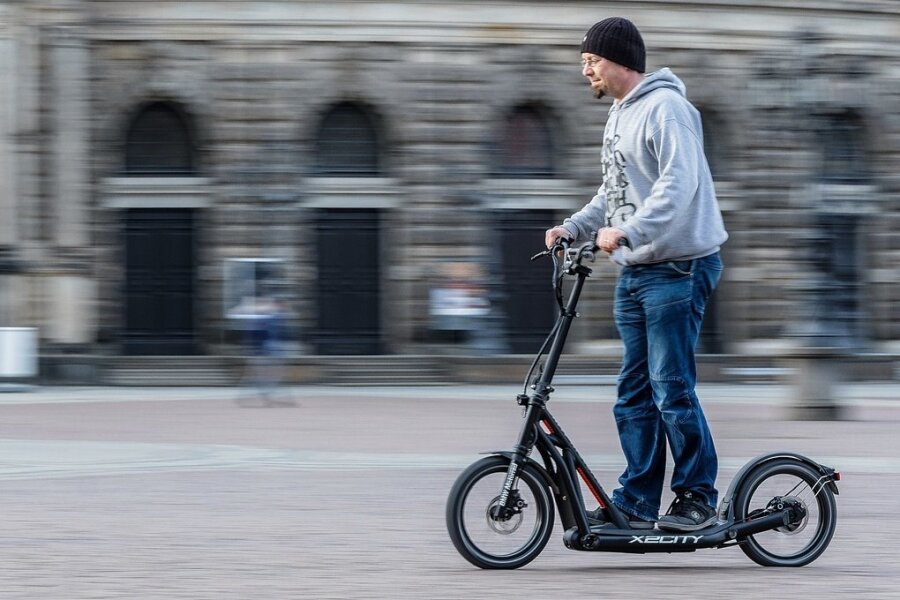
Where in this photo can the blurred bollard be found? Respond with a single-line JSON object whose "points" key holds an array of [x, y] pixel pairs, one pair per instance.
{"points": [[822, 330], [817, 373], [838, 196]]}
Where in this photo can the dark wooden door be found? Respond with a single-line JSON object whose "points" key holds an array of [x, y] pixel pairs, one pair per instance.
{"points": [[349, 282], [526, 298], [160, 259]]}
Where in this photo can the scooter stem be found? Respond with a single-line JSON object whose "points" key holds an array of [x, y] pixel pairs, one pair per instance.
{"points": [[567, 315]]}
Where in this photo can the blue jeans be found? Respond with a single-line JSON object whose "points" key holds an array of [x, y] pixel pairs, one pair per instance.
{"points": [[658, 312]]}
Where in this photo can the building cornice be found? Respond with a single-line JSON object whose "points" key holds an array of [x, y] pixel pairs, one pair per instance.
{"points": [[472, 22]]}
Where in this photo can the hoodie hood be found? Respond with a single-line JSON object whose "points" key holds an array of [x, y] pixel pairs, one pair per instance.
{"points": [[662, 79]]}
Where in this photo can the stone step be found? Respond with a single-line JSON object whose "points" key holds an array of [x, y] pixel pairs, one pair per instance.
{"points": [[157, 377], [170, 371], [429, 369], [381, 370]]}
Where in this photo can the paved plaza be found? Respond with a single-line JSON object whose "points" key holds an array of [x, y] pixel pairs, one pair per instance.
{"points": [[202, 493]]}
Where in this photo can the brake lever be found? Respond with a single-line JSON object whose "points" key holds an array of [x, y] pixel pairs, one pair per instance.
{"points": [[558, 245]]}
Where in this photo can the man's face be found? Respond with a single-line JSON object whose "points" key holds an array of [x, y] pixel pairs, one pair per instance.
{"points": [[604, 76]]}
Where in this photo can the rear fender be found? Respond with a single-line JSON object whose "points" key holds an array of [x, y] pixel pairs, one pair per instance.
{"points": [[726, 506]]}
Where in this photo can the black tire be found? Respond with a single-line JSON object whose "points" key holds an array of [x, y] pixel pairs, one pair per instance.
{"points": [[489, 543], [799, 543]]}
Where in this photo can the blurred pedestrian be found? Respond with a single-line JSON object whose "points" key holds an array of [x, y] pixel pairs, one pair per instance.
{"points": [[458, 301], [657, 196], [265, 366]]}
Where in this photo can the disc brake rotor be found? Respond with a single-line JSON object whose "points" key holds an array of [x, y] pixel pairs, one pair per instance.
{"points": [[795, 528], [502, 526]]}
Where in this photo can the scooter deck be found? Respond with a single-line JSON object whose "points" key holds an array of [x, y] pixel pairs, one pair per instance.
{"points": [[604, 538], [610, 539]]}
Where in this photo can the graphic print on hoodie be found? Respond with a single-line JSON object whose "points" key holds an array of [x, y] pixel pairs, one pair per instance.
{"points": [[615, 182]]}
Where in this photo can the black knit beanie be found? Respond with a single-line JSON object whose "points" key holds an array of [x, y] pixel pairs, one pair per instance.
{"points": [[618, 40]]}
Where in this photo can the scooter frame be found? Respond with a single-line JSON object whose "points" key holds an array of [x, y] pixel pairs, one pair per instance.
{"points": [[563, 465]]}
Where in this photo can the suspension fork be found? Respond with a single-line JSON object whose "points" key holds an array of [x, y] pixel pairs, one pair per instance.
{"points": [[534, 411]]}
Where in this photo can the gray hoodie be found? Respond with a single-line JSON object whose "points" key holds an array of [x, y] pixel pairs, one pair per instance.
{"points": [[657, 187]]}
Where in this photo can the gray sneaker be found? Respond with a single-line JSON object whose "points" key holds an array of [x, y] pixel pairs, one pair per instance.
{"points": [[599, 518], [687, 513]]}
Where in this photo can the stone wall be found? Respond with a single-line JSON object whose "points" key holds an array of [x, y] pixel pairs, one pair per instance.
{"points": [[255, 80]]}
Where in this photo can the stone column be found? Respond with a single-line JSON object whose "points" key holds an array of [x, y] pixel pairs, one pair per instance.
{"points": [[9, 197], [70, 290], [9, 178], [70, 130]]}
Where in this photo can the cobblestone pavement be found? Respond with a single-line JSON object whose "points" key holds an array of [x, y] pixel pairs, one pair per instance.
{"points": [[150, 493]]}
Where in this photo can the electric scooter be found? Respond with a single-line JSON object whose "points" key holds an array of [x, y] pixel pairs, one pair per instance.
{"points": [[780, 508]]}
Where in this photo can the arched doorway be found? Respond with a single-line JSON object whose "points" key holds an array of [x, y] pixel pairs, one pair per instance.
{"points": [[159, 244], [524, 153], [348, 236]]}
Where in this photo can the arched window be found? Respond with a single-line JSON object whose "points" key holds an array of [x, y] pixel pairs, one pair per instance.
{"points": [[347, 143], [842, 148], [159, 142], [525, 145]]}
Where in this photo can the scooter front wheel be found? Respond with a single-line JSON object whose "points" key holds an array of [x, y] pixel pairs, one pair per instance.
{"points": [[480, 534], [787, 482]]}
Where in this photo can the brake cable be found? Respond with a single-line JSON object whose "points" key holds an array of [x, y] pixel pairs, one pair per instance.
{"points": [[557, 282]]}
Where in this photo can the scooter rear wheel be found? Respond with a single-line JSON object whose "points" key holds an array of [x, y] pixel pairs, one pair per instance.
{"points": [[484, 539], [790, 481]]}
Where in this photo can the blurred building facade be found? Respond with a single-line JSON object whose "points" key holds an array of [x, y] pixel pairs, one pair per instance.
{"points": [[367, 147]]}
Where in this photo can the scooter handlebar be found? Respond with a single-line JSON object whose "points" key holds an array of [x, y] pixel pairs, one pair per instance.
{"points": [[574, 255]]}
